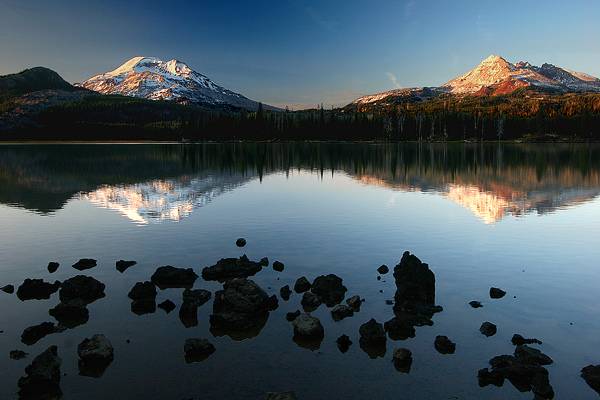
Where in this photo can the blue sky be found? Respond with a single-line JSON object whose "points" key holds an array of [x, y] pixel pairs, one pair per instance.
{"points": [[300, 52]]}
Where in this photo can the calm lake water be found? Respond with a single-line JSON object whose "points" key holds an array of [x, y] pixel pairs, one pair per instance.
{"points": [[522, 218]]}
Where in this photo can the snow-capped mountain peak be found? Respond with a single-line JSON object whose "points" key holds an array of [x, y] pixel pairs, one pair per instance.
{"points": [[155, 79]]}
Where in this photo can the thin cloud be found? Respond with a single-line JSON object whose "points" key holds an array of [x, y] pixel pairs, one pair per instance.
{"points": [[394, 80]]}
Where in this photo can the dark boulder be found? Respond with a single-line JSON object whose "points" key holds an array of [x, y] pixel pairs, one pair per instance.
{"points": [[292, 315], [518, 340], [278, 266], [302, 285], [496, 293], [191, 300], [81, 287], [17, 354], [399, 329], [95, 355], [488, 329], [529, 355], [329, 288], [415, 282], [591, 375], [308, 332], [341, 311], [384, 269], [123, 265], [42, 379], [285, 292], [53, 267], [85, 263], [71, 313], [142, 290], [36, 289], [198, 297], [33, 334], [10, 289], [354, 302], [197, 350], [264, 262], [143, 306], [475, 304], [229, 268], [372, 338], [310, 301], [241, 242], [167, 306], [171, 277], [444, 345], [402, 359], [343, 343]]}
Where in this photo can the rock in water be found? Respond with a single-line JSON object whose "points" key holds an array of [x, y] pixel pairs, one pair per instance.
{"points": [[343, 343], [84, 263], [241, 242], [42, 377], [167, 306], [519, 340], [354, 302], [95, 355], [229, 268], [591, 375], [53, 267], [475, 304], [529, 355], [292, 315], [285, 292], [17, 354], [197, 350], [35, 333], [191, 300], [36, 289], [70, 313], [307, 326], [81, 287], [264, 262], [142, 290], [280, 396], [496, 293], [402, 359], [329, 288], [242, 305], [123, 265], [278, 266], [10, 289], [302, 285], [399, 328], [170, 277], [341, 311], [310, 301], [383, 269], [444, 345], [372, 338], [488, 329]]}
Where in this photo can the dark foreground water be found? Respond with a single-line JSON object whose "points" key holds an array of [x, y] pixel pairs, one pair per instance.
{"points": [[523, 218]]}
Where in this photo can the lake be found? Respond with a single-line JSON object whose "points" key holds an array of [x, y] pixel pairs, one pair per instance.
{"points": [[524, 218]]}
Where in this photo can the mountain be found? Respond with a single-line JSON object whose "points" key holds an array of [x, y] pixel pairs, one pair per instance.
{"points": [[32, 80], [154, 79], [495, 76]]}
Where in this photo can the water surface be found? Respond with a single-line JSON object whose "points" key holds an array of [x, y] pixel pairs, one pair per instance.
{"points": [[520, 217]]}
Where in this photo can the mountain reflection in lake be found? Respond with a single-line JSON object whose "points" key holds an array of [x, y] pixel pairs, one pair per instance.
{"points": [[519, 217]]}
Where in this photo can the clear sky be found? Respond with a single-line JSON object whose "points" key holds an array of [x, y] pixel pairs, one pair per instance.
{"points": [[300, 52]]}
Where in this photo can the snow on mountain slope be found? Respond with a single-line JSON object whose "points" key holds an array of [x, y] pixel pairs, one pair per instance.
{"points": [[154, 79]]}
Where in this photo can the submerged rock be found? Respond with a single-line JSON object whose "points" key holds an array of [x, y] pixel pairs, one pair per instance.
{"points": [[278, 266], [372, 338], [85, 263], [35, 333], [81, 287], [354, 302], [170, 277], [341, 311], [17, 354], [302, 285], [310, 301], [488, 329], [95, 355], [383, 269], [518, 340], [70, 313], [242, 305], [329, 288], [475, 304], [36, 289], [444, 345], [42, 379], [292, 315], [591, 375], [167, 306], [280, 396], [285, 292], [241, 242], [196, 350], [10, 289], [123, 265], [53, 267], [343, 343], [229, 268], [496, 293], [402, 359]]}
